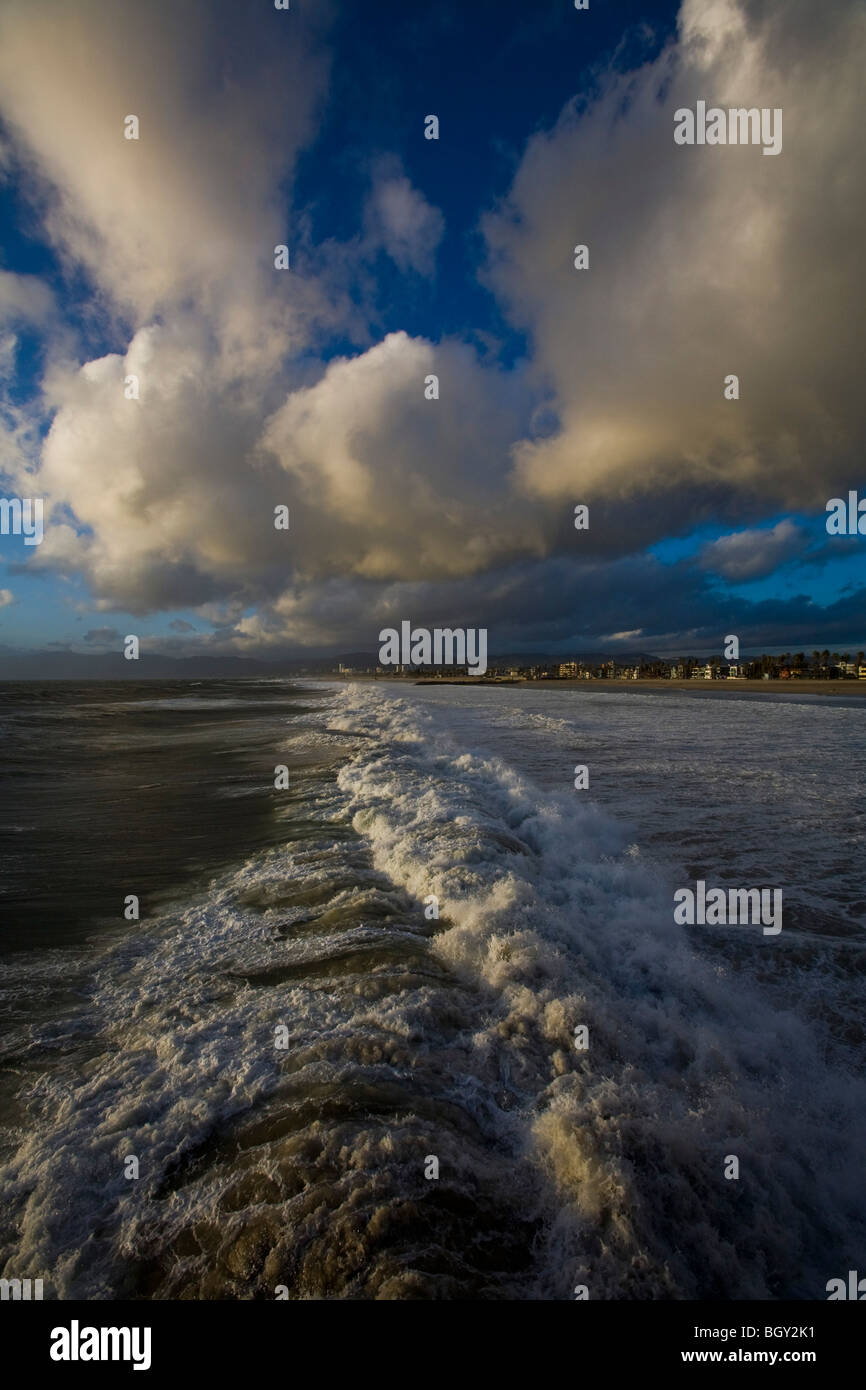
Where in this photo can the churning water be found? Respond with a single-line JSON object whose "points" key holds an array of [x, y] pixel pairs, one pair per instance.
{"points": [[299, 917]]}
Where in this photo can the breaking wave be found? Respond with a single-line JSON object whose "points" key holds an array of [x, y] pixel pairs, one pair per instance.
{"points": [[410, 1037]]}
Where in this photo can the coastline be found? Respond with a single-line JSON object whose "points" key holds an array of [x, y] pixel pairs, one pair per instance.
{"points": [[696, 687]]}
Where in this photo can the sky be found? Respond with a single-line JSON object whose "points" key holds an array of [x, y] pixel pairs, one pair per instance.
{"points": [[305, 387]]}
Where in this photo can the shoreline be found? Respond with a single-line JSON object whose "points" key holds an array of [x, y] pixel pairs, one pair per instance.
{"points": [[857, 688]]}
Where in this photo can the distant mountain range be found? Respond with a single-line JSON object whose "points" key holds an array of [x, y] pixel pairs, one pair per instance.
{"points": [[108, 666]]}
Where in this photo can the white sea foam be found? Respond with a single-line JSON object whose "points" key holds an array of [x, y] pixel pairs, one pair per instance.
{"points": [[304, 1166], [556, 914]]}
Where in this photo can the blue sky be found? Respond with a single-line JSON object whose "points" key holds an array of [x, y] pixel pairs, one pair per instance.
{"points": [[409, 257]]}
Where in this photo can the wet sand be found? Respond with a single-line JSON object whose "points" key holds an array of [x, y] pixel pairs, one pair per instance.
{"points": [[696, 687]]}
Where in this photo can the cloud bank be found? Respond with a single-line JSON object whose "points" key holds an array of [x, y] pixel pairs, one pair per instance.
{"points": [[703, 262]]}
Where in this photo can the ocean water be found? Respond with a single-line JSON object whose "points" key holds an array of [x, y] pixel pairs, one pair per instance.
{"points": [[298, 917]]}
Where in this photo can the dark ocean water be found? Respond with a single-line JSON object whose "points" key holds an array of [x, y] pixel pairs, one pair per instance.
{"points": [[128, 787], [288, 1041]]}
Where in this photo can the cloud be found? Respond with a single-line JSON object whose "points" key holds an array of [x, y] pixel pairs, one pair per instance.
{"points": [[751, 554], [25, 298], [704, 261], [174, 495], [168, 500], [6, 597], [179, 625], [191, 208], [400, 218], [27, 304], [164, 510], [102, 636], [390, 485], [560, 605]]}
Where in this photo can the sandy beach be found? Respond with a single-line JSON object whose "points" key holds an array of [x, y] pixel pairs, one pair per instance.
{"points": [[698, 687]]}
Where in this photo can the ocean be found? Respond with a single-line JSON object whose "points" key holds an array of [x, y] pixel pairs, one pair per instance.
{"points": [[291, 1078]]}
